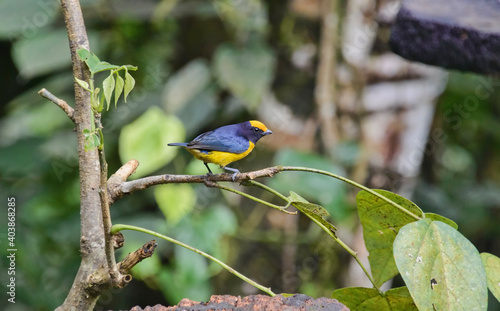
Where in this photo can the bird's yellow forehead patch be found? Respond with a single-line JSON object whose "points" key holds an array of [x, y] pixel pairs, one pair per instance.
{"points": [[258, 124]]}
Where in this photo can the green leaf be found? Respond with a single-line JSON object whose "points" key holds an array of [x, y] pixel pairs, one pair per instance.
{"points": [[175, 201], [307, 206], [103, 66], [86, 132], [311, 208], [82, 83], [438, 217], [492, 265], [96, 139], [130, 67], [442, 269], [246, 71], [98, 100], [91, 141], [313, 211], [92, 61], [24, 18], [381, 223], [360, 298], [129, 84], [83, 54], [108, 85], [42, 53], [188, 278], [119, 87], [146, 139]]}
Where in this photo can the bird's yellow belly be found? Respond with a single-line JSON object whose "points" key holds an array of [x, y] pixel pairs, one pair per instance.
{"points": [[220, 157]]}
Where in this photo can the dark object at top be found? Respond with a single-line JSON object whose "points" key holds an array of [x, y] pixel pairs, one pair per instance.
{"points": [[454, 34]]}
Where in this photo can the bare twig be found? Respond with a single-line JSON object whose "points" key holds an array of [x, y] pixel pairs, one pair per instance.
{"points": [[118, 187], [118, 240], [59, 102], [119, 177], [134, 258], [124, 172]]}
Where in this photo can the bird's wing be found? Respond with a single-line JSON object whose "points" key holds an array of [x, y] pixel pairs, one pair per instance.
{"points": [[226, 141]]}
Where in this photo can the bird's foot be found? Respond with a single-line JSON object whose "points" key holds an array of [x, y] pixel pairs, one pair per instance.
{"points": [[235, 171]]}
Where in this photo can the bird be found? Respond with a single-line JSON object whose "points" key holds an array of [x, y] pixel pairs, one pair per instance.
{"points": [[226, 144]]}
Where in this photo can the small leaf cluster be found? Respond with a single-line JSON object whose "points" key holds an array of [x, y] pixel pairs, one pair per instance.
{"points": [[113, 84]]}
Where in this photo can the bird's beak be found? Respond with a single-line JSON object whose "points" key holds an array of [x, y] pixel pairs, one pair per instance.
{"points": [[267, 132]]}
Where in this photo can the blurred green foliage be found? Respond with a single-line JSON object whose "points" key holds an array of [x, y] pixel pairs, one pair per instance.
{"points": [[204, 64]]}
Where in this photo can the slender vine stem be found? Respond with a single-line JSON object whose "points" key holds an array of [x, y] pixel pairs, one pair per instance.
{"points": [[251, 197], [106, 215], [327, 230], [120, 227], [353, 183], [349, 250], [269, 189]]}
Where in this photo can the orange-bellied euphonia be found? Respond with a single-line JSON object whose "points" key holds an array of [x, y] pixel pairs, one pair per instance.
{"points": [[226, 144]]}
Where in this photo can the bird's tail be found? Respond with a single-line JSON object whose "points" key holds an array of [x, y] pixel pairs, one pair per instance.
{"points": [[178, 144]]}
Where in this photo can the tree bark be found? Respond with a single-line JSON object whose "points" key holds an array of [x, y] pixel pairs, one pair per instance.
{"points": [[92, 277]]}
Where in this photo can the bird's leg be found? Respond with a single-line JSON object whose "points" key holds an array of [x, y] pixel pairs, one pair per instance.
{"points": [[235, 171], [209, 171]]}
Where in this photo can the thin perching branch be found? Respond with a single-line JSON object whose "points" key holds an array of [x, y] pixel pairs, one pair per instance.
{"points": [[127, 187], [118, 186], [70, 112]]}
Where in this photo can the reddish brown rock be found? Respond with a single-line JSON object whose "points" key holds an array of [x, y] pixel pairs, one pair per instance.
{"points": [[297, 302]]}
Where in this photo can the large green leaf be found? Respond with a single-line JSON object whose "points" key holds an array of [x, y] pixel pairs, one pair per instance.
{"points": [[246, 71], [492, 266], [433, 216], [381, 223], [369, 299], [26, 18], [175, 201], [442, 269], [146, 139], [43, 53]]}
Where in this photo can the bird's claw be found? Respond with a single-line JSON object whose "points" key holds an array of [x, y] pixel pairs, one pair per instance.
{"points": [[235, 171]]}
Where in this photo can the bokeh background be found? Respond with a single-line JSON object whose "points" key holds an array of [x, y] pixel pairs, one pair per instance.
{"points": [[318, 73]]}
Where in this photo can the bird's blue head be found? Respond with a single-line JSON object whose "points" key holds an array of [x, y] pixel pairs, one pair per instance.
{"points": [[254, 130]]}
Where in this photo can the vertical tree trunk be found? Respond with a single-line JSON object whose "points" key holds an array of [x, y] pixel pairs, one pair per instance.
{"points": [[92, 277]]}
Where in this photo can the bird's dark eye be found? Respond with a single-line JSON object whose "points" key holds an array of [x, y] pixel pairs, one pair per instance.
{"points": [[256, 129]]}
